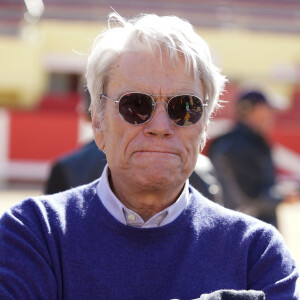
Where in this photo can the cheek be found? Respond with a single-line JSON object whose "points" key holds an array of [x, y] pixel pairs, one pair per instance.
{"points": [[118, 137], [112, 124], [192, 146], [194, 155]]}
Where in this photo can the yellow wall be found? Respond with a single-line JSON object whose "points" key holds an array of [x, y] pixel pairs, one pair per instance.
{"points": [[21, 78], [66, 36], [241, 54], [247, 55]]}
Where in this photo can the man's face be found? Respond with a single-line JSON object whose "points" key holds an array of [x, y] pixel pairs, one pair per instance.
{"points": [[158, 153], [262, 119]]}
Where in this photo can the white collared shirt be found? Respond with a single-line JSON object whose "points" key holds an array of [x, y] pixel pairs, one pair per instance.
{"points": [[129, 217]]}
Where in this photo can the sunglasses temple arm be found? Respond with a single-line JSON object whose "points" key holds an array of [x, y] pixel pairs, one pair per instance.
{"points": [[103, 96]]}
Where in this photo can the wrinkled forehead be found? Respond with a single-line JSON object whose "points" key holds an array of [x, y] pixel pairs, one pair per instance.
{"points": [[152, 73], [166, 53]]}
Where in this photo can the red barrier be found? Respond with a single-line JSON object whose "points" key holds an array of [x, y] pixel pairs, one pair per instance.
{"points": [[42, 135]]}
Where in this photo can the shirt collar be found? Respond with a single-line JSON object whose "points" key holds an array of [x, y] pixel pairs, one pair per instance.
{"points": [[129, 217]]}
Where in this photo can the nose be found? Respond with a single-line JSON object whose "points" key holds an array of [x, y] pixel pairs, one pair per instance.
{"points": [[160, 125]]}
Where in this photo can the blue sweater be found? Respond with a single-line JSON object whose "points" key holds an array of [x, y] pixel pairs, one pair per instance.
{"points": [[68, 246]]}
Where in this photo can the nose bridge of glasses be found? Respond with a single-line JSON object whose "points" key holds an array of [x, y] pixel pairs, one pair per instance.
{"points": [[160, 99], [165, 103], [160, 122]]}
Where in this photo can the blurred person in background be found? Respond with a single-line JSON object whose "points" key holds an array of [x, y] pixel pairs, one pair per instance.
{"points": [[86, 164], [243, 161], [141, 231], [81, 166]]}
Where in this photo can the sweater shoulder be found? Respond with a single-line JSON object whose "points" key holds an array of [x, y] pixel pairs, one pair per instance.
{"points": [[51, 212], [239, 231], [212, 216]]}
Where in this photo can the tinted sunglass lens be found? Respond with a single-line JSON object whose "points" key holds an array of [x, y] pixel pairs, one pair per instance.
{"points": [[136, 108], [185, 110]]}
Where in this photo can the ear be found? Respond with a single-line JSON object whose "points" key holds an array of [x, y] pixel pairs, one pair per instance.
{"points": [[203, 139], [200, 148], [98, 133]]}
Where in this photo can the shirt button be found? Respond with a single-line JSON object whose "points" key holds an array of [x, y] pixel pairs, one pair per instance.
{"points": [[131, 217]]}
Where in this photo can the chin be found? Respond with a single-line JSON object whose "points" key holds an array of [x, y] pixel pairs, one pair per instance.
{"points": [[160, 179]]}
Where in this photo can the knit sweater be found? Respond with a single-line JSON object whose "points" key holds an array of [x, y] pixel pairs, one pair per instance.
{"points": [[68, 246]]}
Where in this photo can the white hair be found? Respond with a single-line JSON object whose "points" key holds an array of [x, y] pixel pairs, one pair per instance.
{"points": [[149, 32]]}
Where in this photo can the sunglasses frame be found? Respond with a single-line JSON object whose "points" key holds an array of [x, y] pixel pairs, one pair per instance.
{"points": [[205, 104]]}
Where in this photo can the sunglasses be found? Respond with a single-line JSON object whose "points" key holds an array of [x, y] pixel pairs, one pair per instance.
{"points": [[138, 108]]}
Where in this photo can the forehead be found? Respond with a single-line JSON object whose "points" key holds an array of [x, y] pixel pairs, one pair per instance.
{"points": [[151, 73]]}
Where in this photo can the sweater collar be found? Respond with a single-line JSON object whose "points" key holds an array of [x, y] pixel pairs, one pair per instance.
{"points": [[128, 217]]}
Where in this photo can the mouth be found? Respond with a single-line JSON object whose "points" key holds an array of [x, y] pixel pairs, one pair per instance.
{"points": [[156, 153]]}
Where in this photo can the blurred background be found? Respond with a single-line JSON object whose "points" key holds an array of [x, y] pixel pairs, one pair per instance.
{"points": [[43, 52]]}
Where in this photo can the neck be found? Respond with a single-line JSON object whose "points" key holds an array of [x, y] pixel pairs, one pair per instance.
{"points": [[146, 202], [258, 126]]}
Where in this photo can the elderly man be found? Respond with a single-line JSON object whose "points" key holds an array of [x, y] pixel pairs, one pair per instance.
{"points": [[140, 231]]}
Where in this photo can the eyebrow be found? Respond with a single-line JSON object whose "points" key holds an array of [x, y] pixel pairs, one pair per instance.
{"points": [[158, 95]]}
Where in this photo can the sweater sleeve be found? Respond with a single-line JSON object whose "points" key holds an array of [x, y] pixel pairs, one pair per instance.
{"points": [[26, 270], [270, 265]]}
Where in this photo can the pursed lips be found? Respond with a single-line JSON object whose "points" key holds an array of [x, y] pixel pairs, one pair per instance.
{"points": [[157, 151]]}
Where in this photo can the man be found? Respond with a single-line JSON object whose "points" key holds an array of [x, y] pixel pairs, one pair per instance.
{"points": [[140, 231], [242, 159]]}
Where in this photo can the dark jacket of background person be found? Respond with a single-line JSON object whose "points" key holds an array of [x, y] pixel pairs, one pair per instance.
{"points": [[204, 179], [246, 172], [77, 168], [86, 165]]}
